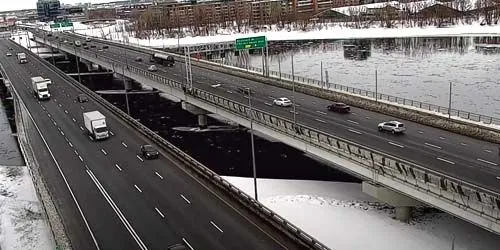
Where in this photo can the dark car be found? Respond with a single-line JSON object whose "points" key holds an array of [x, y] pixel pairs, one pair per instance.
{"points": [[339, 107], [92, 45], [138, 59], [149, 152], [105, 47], [170, 61], [244, 90], [82, 98]]}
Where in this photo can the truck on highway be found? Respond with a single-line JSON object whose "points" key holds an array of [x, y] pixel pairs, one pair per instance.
{"points": [[40, 87], [95, 123], [21, 57]]}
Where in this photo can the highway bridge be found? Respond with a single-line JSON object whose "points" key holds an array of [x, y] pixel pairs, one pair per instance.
{"points": [[109, 197], [455, 173]]}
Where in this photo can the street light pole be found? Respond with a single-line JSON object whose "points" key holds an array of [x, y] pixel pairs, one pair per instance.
{"points": [[252, 144], [77, 65], [449, 102], [376, 86], [293, 94]]}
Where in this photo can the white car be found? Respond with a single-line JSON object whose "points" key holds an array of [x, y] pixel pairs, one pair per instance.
{"points": [[152, 68], [9, 54], [394, 127], [283, 102]]}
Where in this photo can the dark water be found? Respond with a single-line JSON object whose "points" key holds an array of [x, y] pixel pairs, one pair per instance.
{"points": [[226, 153], [415, 68]]}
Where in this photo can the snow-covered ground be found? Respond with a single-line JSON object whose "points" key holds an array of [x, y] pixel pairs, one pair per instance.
{"points": [[22, 222], [344, 218]]}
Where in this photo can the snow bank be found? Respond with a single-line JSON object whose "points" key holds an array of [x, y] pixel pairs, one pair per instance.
{"points": [[22, 223], [344, 218]]}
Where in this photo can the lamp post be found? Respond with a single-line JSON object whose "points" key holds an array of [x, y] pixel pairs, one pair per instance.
{"points": [[293, 95], [77, 65], [252, 143], [449, 102]]}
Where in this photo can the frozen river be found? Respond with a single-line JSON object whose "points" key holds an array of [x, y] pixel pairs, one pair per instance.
{"points": [[420, 69]]}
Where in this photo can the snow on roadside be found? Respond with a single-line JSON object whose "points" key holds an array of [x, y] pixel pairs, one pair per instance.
{"points": [[22, 223], [343, 218]]}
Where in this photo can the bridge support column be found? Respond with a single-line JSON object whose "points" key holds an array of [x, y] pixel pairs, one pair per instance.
{"points": [[201, 113], [402, 203]]}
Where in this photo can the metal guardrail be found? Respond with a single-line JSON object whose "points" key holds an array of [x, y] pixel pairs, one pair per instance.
{"points": [[474, 117], [466, 195], [370, 94], [203, 171]]}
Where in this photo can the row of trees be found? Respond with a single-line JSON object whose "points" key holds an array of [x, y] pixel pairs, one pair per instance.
{"points": [[241, 17]]}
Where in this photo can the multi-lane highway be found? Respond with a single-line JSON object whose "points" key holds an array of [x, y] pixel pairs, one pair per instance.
{"points": [[459, 156], [118, 200]]}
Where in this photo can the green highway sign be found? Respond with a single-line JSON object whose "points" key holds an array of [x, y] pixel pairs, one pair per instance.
{"points": [[257, 42], [55, 25], [67, 24]]}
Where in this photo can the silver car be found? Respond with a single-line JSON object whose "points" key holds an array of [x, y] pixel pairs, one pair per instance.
{"points": [[152, 68], [283, 102], [394, 127]]}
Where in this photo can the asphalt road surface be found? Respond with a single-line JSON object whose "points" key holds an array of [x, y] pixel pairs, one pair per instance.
{"points": [[459, 156], [128, 202]]}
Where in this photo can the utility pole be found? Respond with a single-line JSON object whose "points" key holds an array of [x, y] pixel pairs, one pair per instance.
{"points": [[252, 143]]}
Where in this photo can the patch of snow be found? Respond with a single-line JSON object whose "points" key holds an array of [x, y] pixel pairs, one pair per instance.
{"points": [[22, 223], [343, 218]]}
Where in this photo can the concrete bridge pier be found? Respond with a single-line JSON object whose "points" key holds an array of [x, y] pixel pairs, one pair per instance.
{"points": [[403, 204], [201, 113]]}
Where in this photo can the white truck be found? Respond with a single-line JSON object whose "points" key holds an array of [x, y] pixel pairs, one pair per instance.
{"points": [[95, 123], [40, 87], [21, 57]]}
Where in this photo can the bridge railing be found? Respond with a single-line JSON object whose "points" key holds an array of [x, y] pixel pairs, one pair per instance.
{"points": [[459, 192], [248, 201], [465, 195], [466, 115]]}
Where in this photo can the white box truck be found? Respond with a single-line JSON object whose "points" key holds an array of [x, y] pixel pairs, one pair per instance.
{"points": [[95, 123], [21, 57], [40, 87]]}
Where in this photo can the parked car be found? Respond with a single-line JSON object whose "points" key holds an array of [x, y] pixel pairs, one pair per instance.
{"points": [[394, 127], [82, 98], [339, 107], [152, 68], [9, 54], [149, 152], [283, 102], [138, 59], [105, 47], [92, 45]]}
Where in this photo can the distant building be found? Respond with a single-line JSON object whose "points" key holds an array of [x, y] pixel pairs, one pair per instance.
{"points": [[48, 10]]}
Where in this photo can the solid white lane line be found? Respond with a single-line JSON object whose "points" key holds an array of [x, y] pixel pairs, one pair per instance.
{"points": [[104, 152], [488, 162], [354, 131], [117, 211], [420, 132], [445, 160], [319, 120], [81, 128], [187, 243], [354, 113], [111, 133], [463, 144], [138, 189], [291, 111], [118, 167], [354, 122], [185, 199], [159, 212], [442, 138], [432, 145], [157, 174], [395, 144], [91, 138], [81, 159], [487, 151], [229, 91], [216, 227], [320, 112], [268, 104], [125, 145], [138, 157]]}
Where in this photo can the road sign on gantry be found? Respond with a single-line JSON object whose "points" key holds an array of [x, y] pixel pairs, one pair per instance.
{"points": [[257, 42]]}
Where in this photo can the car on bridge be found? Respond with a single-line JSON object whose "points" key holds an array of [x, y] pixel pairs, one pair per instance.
{"points": [[283, 102], [153, 68], [81, 98], [339, 107], [394, 127], [138, 59], [149, 152]]}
